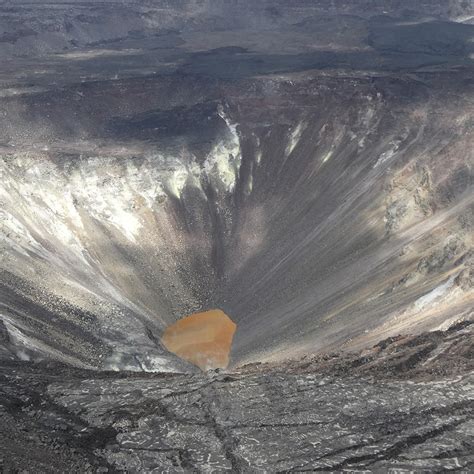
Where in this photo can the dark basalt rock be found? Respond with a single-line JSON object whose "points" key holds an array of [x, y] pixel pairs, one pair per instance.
{"points": [[372, 411]]}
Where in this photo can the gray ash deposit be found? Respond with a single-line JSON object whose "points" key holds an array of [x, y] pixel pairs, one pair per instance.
{"points": [[305, 166]]}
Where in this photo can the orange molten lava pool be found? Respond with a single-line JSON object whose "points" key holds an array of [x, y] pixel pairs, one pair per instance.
{"points": [[204, 339]]}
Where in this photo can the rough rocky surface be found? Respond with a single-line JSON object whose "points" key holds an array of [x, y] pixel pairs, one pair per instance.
{"points": [[426, 356], [407, 405]]}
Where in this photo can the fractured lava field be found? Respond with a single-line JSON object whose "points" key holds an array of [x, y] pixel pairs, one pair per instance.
{"points": [[403, 406], [236, 235]]}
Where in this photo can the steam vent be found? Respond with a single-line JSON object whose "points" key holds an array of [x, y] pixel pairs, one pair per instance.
{"points": [[204, 339], [236, 236]]}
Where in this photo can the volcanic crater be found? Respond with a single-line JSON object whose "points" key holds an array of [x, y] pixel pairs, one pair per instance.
{"points": [[303, 167]]}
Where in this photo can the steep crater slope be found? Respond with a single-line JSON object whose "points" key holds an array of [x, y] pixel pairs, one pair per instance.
{"points": [[304, 166], [317, 210]]}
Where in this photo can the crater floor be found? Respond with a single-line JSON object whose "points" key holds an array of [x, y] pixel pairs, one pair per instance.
{"points": [[204, 339]]}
